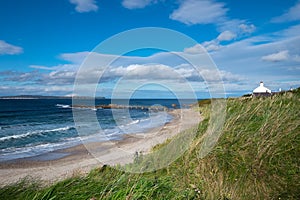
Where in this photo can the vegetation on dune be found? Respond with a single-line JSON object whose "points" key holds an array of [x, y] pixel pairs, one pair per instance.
{"points": [[257, 157]]}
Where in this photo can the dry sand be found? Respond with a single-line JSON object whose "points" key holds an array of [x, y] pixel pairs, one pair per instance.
{"points": [[81, 159]]}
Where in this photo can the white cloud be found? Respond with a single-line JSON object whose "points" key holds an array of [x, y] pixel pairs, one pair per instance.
{"points": [[247, 28], [9, 49], [85, 5], [226, 36], [277, 57], [77, 57], [234, 25], [212, 45], [206, 74], [163, 73], [231, 29], [293, 14], [135, 4], [199, 12], [143, 72], [198, 48]]}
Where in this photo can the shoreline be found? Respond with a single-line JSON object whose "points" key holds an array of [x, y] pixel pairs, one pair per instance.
{"points": [[79, 160]]}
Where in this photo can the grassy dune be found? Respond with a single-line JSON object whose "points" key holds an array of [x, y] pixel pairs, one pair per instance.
{"points": [[257, 157]]}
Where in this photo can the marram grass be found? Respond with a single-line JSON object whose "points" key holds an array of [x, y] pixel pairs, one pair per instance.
{"points": [[257, 157]]}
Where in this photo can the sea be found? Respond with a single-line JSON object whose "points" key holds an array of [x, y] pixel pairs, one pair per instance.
{"points": [[33, 127]]}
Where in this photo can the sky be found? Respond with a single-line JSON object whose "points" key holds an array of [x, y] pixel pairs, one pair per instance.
{"points": [[46, 45]]}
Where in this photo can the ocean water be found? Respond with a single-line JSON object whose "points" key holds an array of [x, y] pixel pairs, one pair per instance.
{"points": [[32, 127]]}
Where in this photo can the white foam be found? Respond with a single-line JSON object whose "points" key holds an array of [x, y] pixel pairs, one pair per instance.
{"points": [[63, 106], [29, 151], [134, 122], [30, 133]]}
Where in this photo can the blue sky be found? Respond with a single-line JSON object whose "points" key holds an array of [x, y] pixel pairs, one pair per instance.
{"points": [[43, 44]]}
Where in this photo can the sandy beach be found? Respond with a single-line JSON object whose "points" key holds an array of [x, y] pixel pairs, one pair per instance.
{"points": [[82, 158]]}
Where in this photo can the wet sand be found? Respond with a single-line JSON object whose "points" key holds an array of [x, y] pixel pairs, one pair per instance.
{"points": [[61, 164]]}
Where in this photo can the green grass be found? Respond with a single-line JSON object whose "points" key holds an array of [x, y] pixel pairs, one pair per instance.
{"points": [[257, 157]]}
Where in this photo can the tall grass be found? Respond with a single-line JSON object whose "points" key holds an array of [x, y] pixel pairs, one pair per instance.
{"points": [[257, 157]]}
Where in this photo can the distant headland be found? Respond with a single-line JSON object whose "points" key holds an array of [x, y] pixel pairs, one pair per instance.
{"points": [[47, 97]]}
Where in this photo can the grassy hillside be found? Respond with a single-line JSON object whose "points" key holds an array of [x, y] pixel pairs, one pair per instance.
{"points": [[257, 157]]}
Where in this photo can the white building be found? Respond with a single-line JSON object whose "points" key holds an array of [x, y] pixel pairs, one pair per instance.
{"points": [[261, 90]]}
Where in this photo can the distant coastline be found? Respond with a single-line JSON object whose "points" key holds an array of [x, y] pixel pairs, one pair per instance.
{"points": [[47, 97]]}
